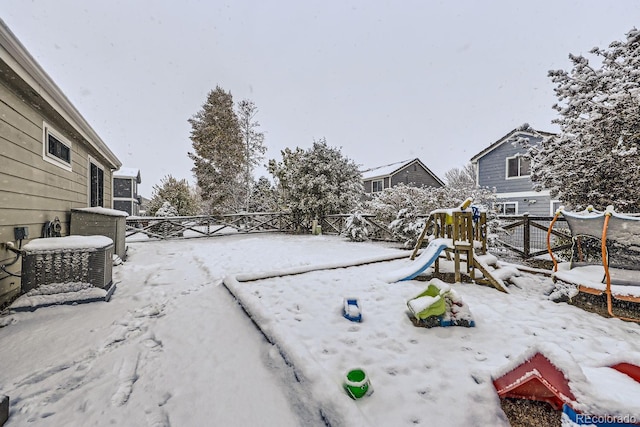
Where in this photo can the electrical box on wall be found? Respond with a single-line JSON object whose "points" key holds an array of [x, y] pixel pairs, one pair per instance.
{"points": [[21, 233]]}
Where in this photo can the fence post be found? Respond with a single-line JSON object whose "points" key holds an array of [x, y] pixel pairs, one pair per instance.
{"points": [[527, 236]]}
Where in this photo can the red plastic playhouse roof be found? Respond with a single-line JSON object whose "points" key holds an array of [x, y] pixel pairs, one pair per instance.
{"points": [[536, 379]]}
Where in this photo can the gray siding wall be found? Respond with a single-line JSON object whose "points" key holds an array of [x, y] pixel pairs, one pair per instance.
{"points": [[492, 169], [34, 191], [368, 184], [535, 206], [415, 175]]}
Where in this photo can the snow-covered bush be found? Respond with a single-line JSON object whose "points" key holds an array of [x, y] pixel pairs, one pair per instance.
{"points": [[403, 204], [166, 210], [356, 228], [407, 226]]}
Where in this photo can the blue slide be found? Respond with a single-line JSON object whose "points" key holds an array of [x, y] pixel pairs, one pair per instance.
{"points": [[420, 264]]}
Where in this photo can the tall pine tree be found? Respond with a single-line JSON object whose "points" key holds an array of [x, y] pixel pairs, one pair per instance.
{"points": [[219, 153], [254, 148]]}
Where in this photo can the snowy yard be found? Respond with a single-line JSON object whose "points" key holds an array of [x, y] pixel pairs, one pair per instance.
{"points": [[173, 347]]}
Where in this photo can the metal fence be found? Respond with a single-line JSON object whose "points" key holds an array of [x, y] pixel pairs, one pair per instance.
{"points": [[525, 236]]}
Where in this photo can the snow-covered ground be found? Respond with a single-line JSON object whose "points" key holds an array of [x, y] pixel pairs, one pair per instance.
{"points": [[173, 346]]}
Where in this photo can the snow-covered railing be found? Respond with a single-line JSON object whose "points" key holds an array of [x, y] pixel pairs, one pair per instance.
{"points": [[337, 224], [179, 227]]}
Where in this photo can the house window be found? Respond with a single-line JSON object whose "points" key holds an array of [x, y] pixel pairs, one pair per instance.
{"points": [[518, 167], [377, 186], [506, 208], [96, 184], [555, 205], [55, 148], [122, 187]]}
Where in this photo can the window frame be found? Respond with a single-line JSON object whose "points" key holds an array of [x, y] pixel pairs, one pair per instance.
{"points": [[519, 158], [381, 181], [552, 205], [502, 211], [99, 196], [48, 132]]}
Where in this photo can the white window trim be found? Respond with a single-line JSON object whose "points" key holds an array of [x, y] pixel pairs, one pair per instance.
{"points": [[552, 212], [90, 160], [47, 130], [381, 181], [506, 168], [506, 202]]}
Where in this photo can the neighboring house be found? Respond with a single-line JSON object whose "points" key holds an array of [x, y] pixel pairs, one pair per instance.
{"points": [[125, 191], [410, 172], [52, 160], [502, 167]]}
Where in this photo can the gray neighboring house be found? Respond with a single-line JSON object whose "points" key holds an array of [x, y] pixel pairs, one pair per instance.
{"points": [[502, 167], [52, 160], [410, 172], [125, 191]]}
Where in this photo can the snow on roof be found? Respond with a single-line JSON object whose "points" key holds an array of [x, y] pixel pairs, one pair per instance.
{"points": [[384, 170], [127, 173], [101, 211], [68, 242]]}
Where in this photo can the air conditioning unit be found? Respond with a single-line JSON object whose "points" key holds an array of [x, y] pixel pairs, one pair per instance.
{"points": [[71, 259]]}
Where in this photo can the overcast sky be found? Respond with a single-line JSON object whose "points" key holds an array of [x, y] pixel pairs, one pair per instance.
{"points": [[384, 80]]}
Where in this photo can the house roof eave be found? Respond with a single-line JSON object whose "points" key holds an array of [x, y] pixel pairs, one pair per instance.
{"points": [[504, 139], [25, 66]]}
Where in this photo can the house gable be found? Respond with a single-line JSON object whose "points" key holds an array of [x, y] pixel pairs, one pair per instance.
{"points": [[502, 167], [409, 172]]}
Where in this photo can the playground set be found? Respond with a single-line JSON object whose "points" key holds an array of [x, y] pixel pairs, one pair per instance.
{"points": [[460, 233], [605, 256]]}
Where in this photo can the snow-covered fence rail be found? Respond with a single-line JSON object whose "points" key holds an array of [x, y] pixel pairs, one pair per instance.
{"points": [[179, 227], [526, 236], [337, 223]]}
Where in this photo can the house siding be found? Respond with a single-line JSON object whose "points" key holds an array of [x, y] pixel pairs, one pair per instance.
{"points": [[34, 191], [414, 174], [493, 172], [411, 174]]}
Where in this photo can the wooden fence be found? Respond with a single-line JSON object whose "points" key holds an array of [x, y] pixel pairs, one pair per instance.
{"points": [[521, 236], [337, 224], [526, 236], [179, 227]]}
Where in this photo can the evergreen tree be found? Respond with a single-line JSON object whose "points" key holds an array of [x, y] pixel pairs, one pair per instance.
{"points": [[253, 140], [595, 159], [177, 193], [263, 197], [219, 153], [317, 182]]}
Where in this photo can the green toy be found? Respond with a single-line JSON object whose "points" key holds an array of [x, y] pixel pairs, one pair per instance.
{"points": [[430, 302]]}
